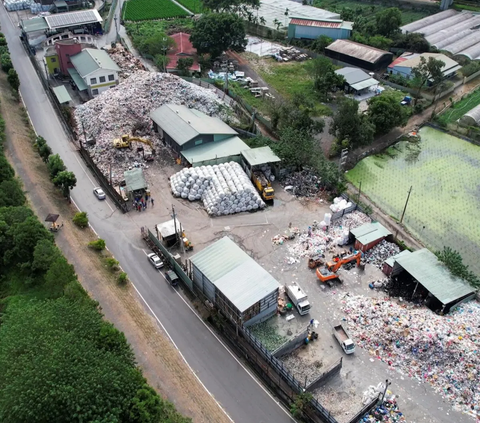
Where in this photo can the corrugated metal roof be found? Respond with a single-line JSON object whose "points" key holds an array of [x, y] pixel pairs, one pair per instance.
{"points": [[214, 150], [310, 22], [184, 124], [167, 229], [425, 267], [415, 61], [62, 94], [79, 82], [370, 82], [240, 278], [89, 60], [134, 179], [34, 25], [360, 51], [429, 20], [260, 155], [397, 61], [391, 260], [370, 232], [352, 75], [63, 20]]}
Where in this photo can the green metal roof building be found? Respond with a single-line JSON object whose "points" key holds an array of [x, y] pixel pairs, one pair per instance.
{"points": [[235, 283], [369, 235]]}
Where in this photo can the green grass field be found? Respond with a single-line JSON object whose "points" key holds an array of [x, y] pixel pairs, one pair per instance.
{"points": [[444, 206], [459, 109], [142, 10], [195, 6]]}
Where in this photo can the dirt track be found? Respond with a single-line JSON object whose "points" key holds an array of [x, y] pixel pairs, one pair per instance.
{"points": [[162, 365]]}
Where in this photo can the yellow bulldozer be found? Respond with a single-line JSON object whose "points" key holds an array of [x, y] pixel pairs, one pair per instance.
{"points": [[126, 142]]}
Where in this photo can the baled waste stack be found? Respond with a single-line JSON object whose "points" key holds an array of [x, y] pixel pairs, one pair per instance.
{"points": [[224, 189], [440, 350], [127, 107]]}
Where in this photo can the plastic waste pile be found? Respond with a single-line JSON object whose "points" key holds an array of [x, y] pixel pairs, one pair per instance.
{"points": [[224, 189], [11, 5], [305, 183], [440, 350], [381, 252], [339, 204]]}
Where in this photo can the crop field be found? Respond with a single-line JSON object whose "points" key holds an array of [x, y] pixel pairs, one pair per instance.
{"points": [[194, 6], [459, 109], [444, 205], [142, 10]]}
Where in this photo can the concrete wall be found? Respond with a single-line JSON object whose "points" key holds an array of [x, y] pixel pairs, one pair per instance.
{"points": [[291, 345], [327, 374], [261, 317]]}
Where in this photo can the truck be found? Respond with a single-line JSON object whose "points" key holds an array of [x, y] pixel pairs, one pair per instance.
{"points": [[343, 338], [263, 185], [299, 299]]}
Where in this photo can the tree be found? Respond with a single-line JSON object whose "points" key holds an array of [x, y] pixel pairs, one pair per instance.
{"points": [[6, 171], [347, 14], [161, 62], [364, 26], [6, 62], [66, 181], [389, 22], [11, 193], [386, 112], [295, 147], [55, 165], [428, 70], [153, 44], [80, 219], [413, 41], [454, 262], [184, 64], [44, 254], [325, 78], [348, 124], [230, 5], [300, 403], [59, 274], [263, 21], [381, 42], [13, 79], [277, 24], [215, 33], [321, 43]]}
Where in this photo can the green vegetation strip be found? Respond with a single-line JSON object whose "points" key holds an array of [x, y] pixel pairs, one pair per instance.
{"points": [[444, 206], [460, 108], [195, 6], [142, 10]]}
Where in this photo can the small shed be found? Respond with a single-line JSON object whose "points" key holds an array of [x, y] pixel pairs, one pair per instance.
{"points": [[311, 29], [356, 80], [135, 180], [445, 290], [391, 267], [167, 231], [369, 235], [255, 158], [61, 94], [235, 283]]}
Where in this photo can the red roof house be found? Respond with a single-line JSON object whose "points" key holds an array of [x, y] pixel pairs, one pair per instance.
{"points": [[183, 48]]}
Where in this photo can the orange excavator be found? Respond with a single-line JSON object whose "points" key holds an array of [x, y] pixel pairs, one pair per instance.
{"points": [[329, 272]]}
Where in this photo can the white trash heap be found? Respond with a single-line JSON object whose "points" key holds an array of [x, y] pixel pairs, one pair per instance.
{"points": [[224, 189], [440, 350], [339, 203], [381, 252]]}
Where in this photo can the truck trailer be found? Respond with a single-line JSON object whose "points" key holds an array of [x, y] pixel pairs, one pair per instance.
{"points": [[299, 299]]}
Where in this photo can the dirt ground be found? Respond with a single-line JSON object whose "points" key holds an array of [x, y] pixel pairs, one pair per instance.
{"points": [[161, 363]]}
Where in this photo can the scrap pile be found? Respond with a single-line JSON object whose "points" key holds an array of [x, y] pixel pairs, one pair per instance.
{"points": [[224, 189], [126, 109], [126, 61], [381, 252], [441, 350], [305, 183]]}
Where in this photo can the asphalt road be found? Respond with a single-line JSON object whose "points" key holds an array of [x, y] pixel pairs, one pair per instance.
{"points": [[243, 398]]}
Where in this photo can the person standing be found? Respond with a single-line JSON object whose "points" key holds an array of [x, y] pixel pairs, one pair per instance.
{"points": [[151, 200]]}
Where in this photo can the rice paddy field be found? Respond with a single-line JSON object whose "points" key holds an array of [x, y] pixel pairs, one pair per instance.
{"points": [[444, 205], [142, 10]]}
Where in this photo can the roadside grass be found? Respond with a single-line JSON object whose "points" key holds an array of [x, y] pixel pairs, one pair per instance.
{"points": [[454, 113]]}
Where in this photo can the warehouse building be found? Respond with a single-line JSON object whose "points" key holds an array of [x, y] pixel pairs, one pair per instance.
{"points": [[369, 235], [356, 80], [197, 139], [391, 267], [235, 283], [455, 32], [430, 278], [360, 55], [405, 64], [311, 29]]}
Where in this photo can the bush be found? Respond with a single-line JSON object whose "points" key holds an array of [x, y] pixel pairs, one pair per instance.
{"points": [[4, 50], [97, 245], [418, 108], [122, 278], [3, 41], [13, 79], [6, 62], [80, 219], [112, 264]]}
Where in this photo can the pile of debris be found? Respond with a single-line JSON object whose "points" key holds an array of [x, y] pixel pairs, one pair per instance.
{"points": [[388, 411], [305, 183], [126, 109], [290, 53], [381, 252], [126, 61], [440, 350]]}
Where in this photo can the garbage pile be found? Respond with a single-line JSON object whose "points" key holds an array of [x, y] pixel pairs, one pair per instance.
{"points": [[387, 412], [440, 350], [126, 109], [305, 183], [224, 189], [381, 252], [339, 204], [126, 61]]}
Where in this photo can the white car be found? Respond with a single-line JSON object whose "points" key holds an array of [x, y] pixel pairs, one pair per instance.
{"points": [[99, 193], [155, 260]]}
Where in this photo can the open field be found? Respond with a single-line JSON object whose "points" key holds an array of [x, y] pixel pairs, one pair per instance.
{"points": [[194, 6], [142, 10], [370, 9], [444, 206], [460, 108]]}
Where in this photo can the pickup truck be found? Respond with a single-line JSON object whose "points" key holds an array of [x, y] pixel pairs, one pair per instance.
{"points": [[344, 339]]}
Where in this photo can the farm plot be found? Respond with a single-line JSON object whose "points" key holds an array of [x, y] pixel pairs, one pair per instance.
{"points": [[459, 109], [444, 205], [194, 6], [142, 10]]}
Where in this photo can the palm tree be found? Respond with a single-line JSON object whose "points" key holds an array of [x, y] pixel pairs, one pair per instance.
{"points": [[277, 23], [262, 21]]}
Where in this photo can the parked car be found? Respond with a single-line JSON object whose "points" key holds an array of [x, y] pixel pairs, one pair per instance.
{"points": [[155, 260], [99, 193], [171, 278]]}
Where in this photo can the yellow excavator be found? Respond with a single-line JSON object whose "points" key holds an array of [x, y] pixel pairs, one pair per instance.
{"points": [[126, 142]]}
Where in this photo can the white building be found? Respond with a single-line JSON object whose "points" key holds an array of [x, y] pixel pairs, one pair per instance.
{"points": [[97, 70]]}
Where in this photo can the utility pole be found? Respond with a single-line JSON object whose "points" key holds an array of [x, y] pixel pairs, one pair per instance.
{"points": [[406, 203], [174, 216], [387, 384], [359, 191], [116, 25]]}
